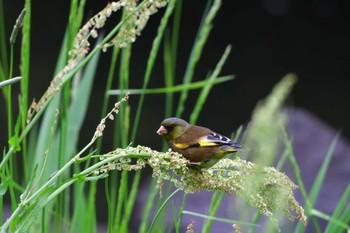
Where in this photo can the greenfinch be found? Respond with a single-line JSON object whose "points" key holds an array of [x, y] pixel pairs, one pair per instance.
{"points": [[201, 146]]}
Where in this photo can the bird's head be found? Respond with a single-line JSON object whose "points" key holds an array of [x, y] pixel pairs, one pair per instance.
{"points": [[172, 128]]}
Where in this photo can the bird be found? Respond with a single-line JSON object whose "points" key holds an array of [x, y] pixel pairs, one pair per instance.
{"points": [[200, 145]]}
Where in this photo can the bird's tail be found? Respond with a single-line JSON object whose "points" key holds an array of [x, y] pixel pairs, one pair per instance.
{"points": [[236, 146]]}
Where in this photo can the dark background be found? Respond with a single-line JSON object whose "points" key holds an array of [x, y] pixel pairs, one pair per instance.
{"points": [[269, 38]]}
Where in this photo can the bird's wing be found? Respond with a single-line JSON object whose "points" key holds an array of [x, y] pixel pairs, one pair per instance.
{"points": [[215, 139], [197, 136]]}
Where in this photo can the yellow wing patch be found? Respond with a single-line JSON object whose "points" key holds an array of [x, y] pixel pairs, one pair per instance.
{"points": [[181, 145], [203, 143], [199, 144]]}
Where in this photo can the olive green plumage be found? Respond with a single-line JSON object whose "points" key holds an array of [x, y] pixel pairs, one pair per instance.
{"points": [[200, 145]]}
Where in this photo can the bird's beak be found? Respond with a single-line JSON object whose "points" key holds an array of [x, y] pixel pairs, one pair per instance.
{"points": [[162, 130]]}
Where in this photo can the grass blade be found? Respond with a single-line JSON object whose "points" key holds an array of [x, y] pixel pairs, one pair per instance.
{"points": [[322, 172], [318, 183], [148, 207], [330, 219], [170, 55], [130, 201], [25, 59], [111, 72], [24, 222], [79, 208], [209, 84], [80, 102], [181, 209], [173, 89], [3, 40], [295, 165], [161, 209], [334, 226], [214, 206], [175, 34], [196, 52], [169, 74], [150, 62], [122, 193], [224, 220]]}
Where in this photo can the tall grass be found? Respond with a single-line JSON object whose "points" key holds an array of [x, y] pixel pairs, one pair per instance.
{"points": [[59, 182]]}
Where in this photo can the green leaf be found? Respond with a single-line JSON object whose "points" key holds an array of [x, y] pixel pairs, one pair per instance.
{"points": [[173, 89], [79, 208], [214, 206], [201, 39], [3, 186], [25, 220], [98, 177], [219, 219], [3, 44], [80, 102], [150, 62], [30, 184], [330, 219], [25, 57], [79, 177], [13, 141], [43, 142], [322, 172], [334, 226], [346, 215], [131, 201], [161, 209], [312, 197], [148, 205], [209, 84]]}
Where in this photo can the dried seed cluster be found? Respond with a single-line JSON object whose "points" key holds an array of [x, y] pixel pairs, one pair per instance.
{"points": [[102, 125], [262, 187], [264, 132], [136, 21], [122, 160], [137, 16]]}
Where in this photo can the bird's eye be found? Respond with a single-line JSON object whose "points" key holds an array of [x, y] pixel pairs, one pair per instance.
{"points": [[170, 127]]}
